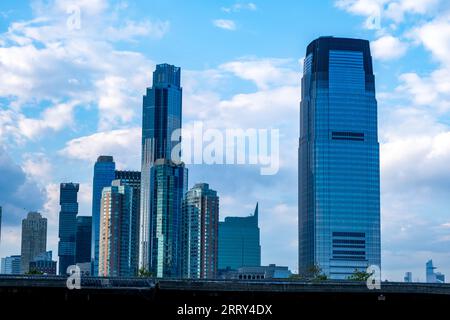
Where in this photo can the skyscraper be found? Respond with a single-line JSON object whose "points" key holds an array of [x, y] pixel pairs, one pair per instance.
{"points": [[239, 242], [104, 174], [84, 236], [117, 248], [161, 117], [339, 176], [34, 238], [133, 180], [11, 265], [168, 183], [200, 224], [431, 276], [68, 195]]}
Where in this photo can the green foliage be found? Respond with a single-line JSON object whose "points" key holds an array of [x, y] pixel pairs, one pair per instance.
{"points": [[144, 273], [34, 272], [359, 275]]}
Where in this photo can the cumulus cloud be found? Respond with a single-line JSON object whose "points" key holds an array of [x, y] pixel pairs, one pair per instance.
{"points": [[18, 193], [239, 7], [388, 48], [123, 144], [225, 24]]}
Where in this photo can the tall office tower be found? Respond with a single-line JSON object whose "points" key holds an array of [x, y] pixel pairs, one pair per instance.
{"points": [[161, 117], [200, 228], [339, 174], [83, 239], [239, 242], [104, 174], [116, 247], [133, 180], [68, 195], [168, 186], [11, 265], [34, 238]]}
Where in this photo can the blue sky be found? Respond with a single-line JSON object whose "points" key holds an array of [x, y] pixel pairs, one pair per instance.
{"points": [[68, 95]]}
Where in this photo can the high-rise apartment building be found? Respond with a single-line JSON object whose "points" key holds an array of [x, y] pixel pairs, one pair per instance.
{"points": [[117, 246], [339, 170], [200, 228]]}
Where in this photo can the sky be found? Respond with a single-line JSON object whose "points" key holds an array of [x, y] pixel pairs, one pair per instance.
{"points": [[71, 89]]}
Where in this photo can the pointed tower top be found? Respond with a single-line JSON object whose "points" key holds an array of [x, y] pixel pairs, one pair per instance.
{"points": [[256, 211]]}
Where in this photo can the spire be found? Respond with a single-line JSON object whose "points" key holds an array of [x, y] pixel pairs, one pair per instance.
{"points": [[256, 212]]}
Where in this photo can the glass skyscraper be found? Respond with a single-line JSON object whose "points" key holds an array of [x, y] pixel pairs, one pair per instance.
{"points": [[200, 228], [117, 247], [84, 236], [339, 175], [161, 117], [104, 174], [239, 242], [168, 184], [68, 194]]}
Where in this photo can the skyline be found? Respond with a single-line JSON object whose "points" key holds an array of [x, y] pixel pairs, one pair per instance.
{"points": [[237, 86]]}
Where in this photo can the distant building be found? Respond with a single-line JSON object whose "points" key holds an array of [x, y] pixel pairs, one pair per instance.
{"points": [[168, 186], [116, 248], [11, 265], [431, 276], [43, 263], [104, 174], [408, 277], [271, 271], [200, 233], [34, 239], [85, 268], [239, 242], [83, 239], [68, 200]]}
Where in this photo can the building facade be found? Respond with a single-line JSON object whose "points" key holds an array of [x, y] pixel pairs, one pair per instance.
{"points": [[116, 247], [271, 271], [161, 117], [104, 174], [339, 175], [431, 275], [200, 228], [34, 239], [68, 200], [83, 239], [168, 185], [43, 263], [11, 265], [239, 242]]}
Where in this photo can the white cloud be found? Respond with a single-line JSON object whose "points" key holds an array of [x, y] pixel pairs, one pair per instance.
{"points": [[123, 144], [388, 47], [263, 72], [225, 24], [239, 7], [38, 167]]}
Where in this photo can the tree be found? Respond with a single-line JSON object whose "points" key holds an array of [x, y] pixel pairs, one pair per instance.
{"points": [[34, 272], [144, 273], [315, 272], [359, 275]]}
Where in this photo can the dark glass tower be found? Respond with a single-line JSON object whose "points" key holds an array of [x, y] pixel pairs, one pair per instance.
{"points": [[339, 176], [84, 236], [161, 117], [239, 242], [104, 174], [68, 194]]}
